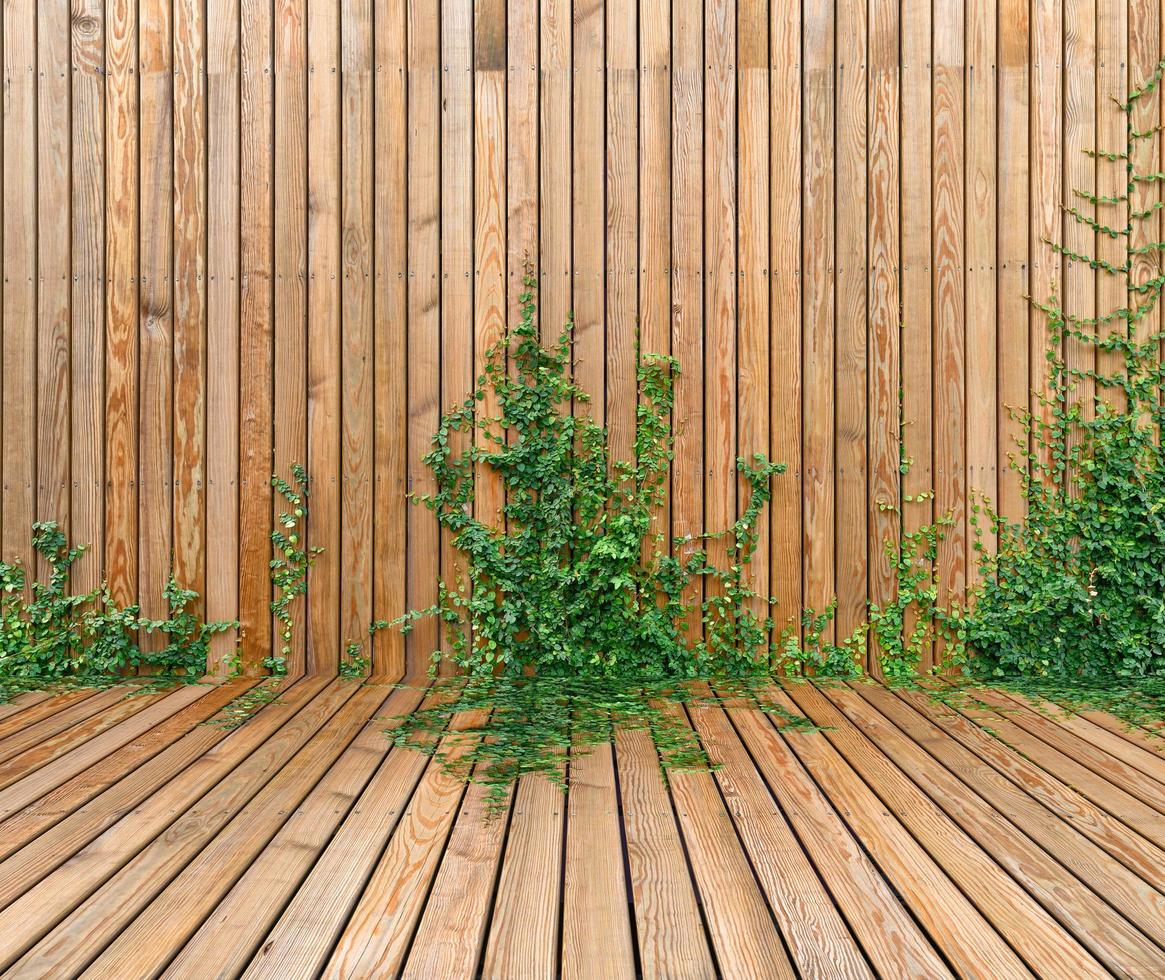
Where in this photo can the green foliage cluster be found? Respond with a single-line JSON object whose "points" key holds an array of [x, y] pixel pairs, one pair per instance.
{"points": [[49, 633], [292, 560], [572, 580], [534, 722], [242, 708], [573, 616], [809, 651], [1139, 702], [1077, 589]]}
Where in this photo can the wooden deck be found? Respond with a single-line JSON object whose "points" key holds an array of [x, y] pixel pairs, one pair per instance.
{"points": [[907, 839]]}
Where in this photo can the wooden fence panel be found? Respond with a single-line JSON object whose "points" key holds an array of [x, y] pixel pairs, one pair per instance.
{"points": [[240, 234]]}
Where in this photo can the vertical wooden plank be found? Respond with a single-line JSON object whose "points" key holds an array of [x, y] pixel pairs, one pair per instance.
{"points": [[982, 393], [915, 358], [87, 178], [1080, 173], [949, 302], [356, 364], [524, 932], [850, 423], [621, 281], [687, 264], [596, 927], [1112, 39], [290, 258], [424, 210], [720, 481], [323, 326], [1045, 174], [456, 235], [256, 347], [390, 327], [584, 127], [883, 295], [754, 370], [53, 261], [785, 309], [121, 321], [654, 167], [489, 207], [1144, 26], [19, 294], [222, 322], [554, 160], [1012, 200], [155, 312], [190, 242], [523, 185], [817, 274]]}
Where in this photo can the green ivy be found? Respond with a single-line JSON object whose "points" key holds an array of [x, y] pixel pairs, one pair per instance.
{"points": [[560, 583], [49, 634], [536, 723], [293, 559], [1077, 588], [572, 616]]}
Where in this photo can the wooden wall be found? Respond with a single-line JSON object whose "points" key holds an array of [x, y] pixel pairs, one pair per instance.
{"points": [[240, 233]]}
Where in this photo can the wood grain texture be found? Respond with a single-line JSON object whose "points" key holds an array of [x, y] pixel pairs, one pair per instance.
{"points": [[753, 369], [53, 261], [818, 262], [155, 314], [240, 234], [87, 244], [785, 377], [687, 285], [669, 927], [222, 327], [948, 278], [324, 257], [906, 837], [456, 244], [18, 305], [596, 931], [256, 337], [289, 387], [424, 313], [190, 297], [356, 319], [850, 423], [1014, 156], [390, 331], [916, 347], [884, 296]]}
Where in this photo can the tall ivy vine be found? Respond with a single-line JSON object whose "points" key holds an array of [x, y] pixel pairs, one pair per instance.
{"points": [[571, 579]]}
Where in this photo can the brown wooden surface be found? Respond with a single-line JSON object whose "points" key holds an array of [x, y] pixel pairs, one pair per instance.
{"points": [[247, 233], [902, 839]]}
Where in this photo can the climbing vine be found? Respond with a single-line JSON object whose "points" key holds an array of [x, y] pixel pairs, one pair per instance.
{"points": [[49, 633], [572, 580]]}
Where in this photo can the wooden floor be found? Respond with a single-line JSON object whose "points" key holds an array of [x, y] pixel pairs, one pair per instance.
{"points": [[906, 839]]}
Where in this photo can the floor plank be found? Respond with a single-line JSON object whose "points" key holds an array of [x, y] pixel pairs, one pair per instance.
{"points": [[977, 869], [668, 924], [1126, 845], [142, 947], [743, 933], [39, 800], [229, 936], [36, 706], [817, 936], [104, 911], [954, 923], [596, 930], [907, 837]]}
